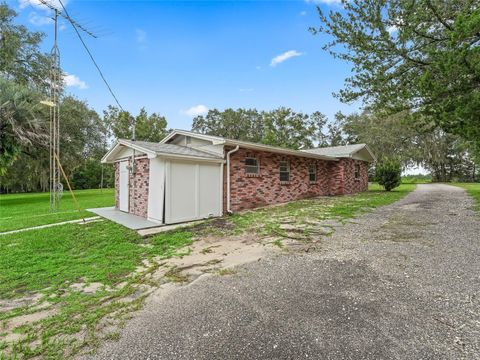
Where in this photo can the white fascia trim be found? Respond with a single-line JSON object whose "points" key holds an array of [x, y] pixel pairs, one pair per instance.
{"points": [[368, 150], [371, 153], [272, 149], [190, 158], [213, 139], [168, 137], [150, 153], [247, 145], [106, 158]]}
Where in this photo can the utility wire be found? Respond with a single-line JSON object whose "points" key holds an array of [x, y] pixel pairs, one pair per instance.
{"points": [[90, 54]]}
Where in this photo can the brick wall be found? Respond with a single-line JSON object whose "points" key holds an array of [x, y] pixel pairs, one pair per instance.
{"points": [[138, 204], [249, 191], [138, 192], [336, 177], [351, 184]]}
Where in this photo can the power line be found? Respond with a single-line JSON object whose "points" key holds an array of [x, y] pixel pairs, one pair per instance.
{"points": [[74, 24]]}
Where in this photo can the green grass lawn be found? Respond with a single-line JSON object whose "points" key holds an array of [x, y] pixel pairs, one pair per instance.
{"points": [[473, 189], [48, 261], [19, 211], [267, 220]]}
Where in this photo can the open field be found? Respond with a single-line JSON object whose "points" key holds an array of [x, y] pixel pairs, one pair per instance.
{"points": [[473, 189], [19, 211], [74, 285]]}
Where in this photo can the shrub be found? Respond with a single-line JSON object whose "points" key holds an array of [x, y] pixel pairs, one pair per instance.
{"points": [[389, 174]]}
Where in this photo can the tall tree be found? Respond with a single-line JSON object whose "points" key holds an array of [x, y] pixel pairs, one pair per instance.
{"points": [[446, 156], [242, 124], [280, 127], [419, 55], [23, 79], [286, 128], [21, 59], [21, 124], [147, 127]]}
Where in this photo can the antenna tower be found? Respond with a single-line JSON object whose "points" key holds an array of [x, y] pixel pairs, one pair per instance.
{"points": [[56, 84]]}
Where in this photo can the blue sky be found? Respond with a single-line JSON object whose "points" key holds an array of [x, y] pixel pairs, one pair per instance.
{"points": [[180, 58]]}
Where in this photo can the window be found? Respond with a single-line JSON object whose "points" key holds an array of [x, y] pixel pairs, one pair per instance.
{"points": [[312, 173], [284, 170], [251, 166], [357, 171]]}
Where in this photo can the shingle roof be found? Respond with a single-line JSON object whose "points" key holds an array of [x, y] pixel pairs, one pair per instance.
{"points": [[171, 149], [247, 144], [337, 151]]}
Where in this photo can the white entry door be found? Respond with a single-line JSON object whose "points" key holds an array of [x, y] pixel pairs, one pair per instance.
{"points": [[193, 191], [123, 186]]}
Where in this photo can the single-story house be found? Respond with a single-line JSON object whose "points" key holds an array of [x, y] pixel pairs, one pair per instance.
{"points": [[189, 176]]}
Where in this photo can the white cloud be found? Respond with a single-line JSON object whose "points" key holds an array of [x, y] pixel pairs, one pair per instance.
{"points": [[39, 20], [196, 110], [74, 81], [141, 36], [285, 56], [36, 3]]}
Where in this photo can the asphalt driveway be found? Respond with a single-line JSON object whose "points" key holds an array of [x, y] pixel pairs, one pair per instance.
{"points": [[402, 282]]}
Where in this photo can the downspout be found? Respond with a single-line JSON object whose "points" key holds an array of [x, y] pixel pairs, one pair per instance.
{"points": [[133, 171], [229, 210]]}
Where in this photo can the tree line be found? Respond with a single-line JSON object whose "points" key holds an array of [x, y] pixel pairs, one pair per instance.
{"points": [[85, 136], [446, 156], [417, 73], [418, 61]]}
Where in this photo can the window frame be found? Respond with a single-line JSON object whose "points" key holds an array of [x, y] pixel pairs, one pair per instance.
{"points": [[356, 172], [314, 173], [257, 166], [287, 171]]}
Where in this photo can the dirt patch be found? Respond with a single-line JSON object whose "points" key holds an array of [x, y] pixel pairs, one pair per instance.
{"points": [[31, 318], [219, 223], [88, 288], [211, 254], [26, 301]]}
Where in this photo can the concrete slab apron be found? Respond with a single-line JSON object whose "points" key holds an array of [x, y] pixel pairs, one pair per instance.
{"points": [[130, 221], [399, 283]]}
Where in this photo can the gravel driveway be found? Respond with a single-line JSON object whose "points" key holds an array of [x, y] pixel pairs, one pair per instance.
{"points": [[399, 283]]}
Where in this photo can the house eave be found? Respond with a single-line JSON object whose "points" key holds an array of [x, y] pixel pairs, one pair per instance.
{"points": [[109, 157], [120, 142], [261, 147], [247, 145]]}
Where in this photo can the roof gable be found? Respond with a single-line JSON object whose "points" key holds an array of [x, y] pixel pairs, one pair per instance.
{"points": [[356, 151], [216, 140], [152, 150]]}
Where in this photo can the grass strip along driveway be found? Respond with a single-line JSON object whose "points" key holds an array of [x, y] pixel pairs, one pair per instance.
{"points": [[64, 289], [473, 189]]}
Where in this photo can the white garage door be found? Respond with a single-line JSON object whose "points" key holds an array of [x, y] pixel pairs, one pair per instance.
{"points": [[123, 186], [193, 191]]}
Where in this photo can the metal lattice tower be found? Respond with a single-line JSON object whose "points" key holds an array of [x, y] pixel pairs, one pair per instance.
{"points": [[56, 85], [56, 187]]}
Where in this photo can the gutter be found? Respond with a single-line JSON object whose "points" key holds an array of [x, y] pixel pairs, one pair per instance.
{"points": [[229, 210]]}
